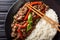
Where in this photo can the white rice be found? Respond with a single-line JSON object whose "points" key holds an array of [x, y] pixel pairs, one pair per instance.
{"points": [[43, 30]]}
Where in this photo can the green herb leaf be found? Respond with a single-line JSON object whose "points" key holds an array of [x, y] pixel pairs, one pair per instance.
{"points": [[30, 17], [30, 22], [29, 27]]}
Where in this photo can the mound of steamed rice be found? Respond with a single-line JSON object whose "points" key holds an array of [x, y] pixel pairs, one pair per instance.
{"points": [[44, 30]]}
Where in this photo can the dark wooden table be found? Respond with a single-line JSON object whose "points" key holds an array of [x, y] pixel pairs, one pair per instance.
{"points": [[4, 7]]}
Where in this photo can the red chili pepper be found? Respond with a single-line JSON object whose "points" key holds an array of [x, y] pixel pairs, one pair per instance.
{"points": [[18, 25], [26, 17], [25, 25], [20, 33], [22, 26], [34, 3], [18, 30]]}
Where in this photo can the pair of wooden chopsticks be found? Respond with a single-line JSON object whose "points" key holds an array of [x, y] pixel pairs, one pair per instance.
{"points": [[39, 13]]}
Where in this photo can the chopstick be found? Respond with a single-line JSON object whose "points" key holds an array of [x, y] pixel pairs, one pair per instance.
{"points": [[43, 14], [55, 24]]}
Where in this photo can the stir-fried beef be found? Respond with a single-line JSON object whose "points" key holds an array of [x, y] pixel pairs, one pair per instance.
{"points": [[21, 28]]}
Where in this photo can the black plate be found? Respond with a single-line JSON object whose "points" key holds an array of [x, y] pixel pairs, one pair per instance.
{"points": [[54, 4]]}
